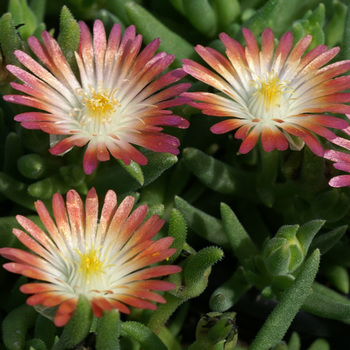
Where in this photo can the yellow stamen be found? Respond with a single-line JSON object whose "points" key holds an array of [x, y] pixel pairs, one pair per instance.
{"points": [[90, 263], [100, 104], [270, 89]]}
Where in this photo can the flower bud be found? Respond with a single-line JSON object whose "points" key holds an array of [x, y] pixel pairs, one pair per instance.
{"points": [[216, 328], [283, 253], [277, 256]]}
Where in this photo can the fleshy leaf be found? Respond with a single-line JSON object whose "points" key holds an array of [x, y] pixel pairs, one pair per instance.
{"points": [[178, 230], [240, 242], [16, 325], [203, 224], [157, 164], [326, 241], [134, 170], [15, 190], [151, 28], [143, 335], [202, 16], [228, 294], [69, 36], [78, 326], [108, 331], [278, 322], [217, 175]]}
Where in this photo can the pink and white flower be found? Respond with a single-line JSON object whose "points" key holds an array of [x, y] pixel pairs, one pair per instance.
{"points": [[119, 98], [341, 162], [107, 260], [278, 94]]}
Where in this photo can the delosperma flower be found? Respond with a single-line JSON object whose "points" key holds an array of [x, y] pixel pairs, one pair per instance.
{"points": [[341, 162], [106, 259], [118, 99], [278, 95]]}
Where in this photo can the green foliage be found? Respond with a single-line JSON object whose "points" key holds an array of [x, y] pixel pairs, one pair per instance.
{"points": [[269, 215], [23, 14], [147, 25], [216, 330], [15, 326], [69, 36], [108, 331], [77, 327], [311, 24], [143, 335], [293, 298]]}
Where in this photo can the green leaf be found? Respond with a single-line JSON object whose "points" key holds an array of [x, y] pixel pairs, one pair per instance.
{"points": [[157, 164], [278, 257], [117, 7], [280, 346], [32, 166], [229, 293], [335, 27], [278, 322], [203, 224], [78, 326], [202, 16], [23, 14], [45, 330], [46, 188], [307, 232], [197, 266], [9, 39], [169, 339], [178, 179], [15, 191], [134, 170], [217, 175], [73, 175], [178, 4], [160, 316], [319, 344], [240, 242], [227, 12], [69, 36], [274, 14], [266, 181], [327, 303], [13, 150], [141, 333], [345, 44], [178, 230], [338, 276], [38, 7], [147, 25], [108, 331], [328, 240], [294, 342], [16, 325]]}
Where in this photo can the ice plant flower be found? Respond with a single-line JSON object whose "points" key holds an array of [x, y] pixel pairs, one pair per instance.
{"points": [[278, 95], [341, 162], [106, 260], [119, 98]]}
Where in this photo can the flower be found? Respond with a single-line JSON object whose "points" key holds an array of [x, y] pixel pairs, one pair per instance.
{"points": [[342, 162], [119, 98], [277, 94], [105, 260]]}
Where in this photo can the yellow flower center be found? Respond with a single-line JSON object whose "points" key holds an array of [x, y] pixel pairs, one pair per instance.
{"points": [[100, 104], [270, 90], [90, 264]]}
